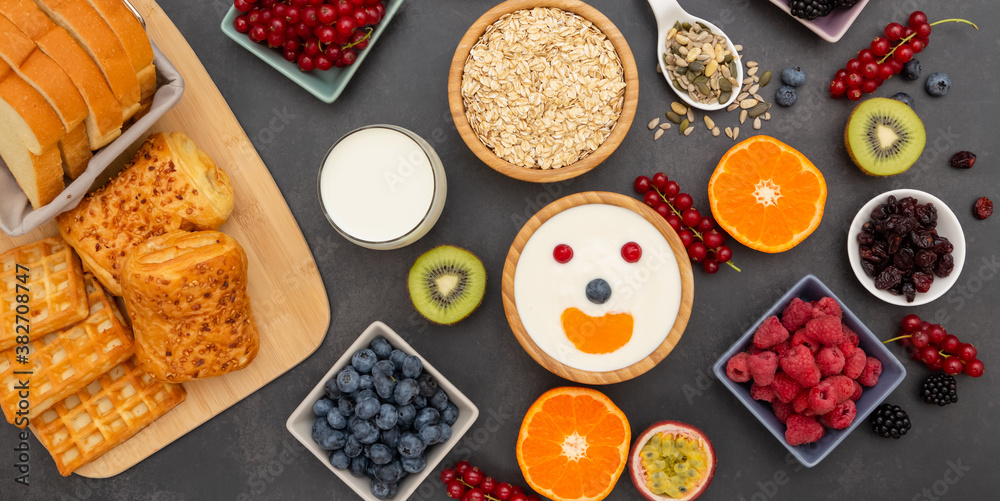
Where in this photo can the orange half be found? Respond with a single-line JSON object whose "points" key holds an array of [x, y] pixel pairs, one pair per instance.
{"points": [[573, 444], [597, 335], [767, 195]]}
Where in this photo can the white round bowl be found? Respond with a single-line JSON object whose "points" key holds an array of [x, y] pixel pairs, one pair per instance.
{"points": [[947, 226]]}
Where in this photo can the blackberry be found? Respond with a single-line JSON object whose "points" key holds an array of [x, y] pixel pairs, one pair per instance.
{"points": [[846, 4], [890, 421], [939, 389], [811, 9]]}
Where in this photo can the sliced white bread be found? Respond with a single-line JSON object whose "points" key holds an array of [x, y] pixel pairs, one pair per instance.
{"points": [[75, 151], [39, 176], [133, 39], [27, 17], [95, 36]]}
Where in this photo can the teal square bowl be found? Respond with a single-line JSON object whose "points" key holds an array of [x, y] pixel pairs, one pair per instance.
{"points": [[325, 85]]}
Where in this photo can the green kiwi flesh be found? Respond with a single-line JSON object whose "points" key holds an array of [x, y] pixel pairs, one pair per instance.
{"points": [[884, 137], [447, 284]]}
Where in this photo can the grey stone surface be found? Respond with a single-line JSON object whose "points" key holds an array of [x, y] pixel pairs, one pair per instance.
{"points": [[246, 453]]}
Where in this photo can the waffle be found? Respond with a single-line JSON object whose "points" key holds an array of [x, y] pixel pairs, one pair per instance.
{"points": [[104, 414], [65, 361], [57, 296]]}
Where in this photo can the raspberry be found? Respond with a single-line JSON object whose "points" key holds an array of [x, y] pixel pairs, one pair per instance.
{"points": [[802, 430], [785, 388], [849, 335], [830, 361], [826, 330], [796, 314], [857, 391], [758, 392], [769, 333], [782, 410], [841, 416], [801, 338], [873, 368], [763, 366], [827, 307], [843, 386], [799, 364], [801, 401], [782, 348], [846, 349], [737, 369], [822, 398], [855, 364]]}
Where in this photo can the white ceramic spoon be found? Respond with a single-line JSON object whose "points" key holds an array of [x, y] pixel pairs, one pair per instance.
{"points": [[668, 12]]}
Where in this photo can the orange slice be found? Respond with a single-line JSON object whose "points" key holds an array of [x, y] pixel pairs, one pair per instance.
{"points": [[573, 445], [597, 335], [767, 195]]}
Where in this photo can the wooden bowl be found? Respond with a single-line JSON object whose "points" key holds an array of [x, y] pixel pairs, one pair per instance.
{"points": [[539, 175], [543, 358]]}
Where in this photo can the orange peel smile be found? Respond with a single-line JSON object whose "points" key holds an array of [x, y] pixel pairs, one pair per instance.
{"points": [[597, 335]]}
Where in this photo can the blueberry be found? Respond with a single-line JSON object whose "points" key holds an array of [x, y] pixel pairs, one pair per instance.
{"points": [[911, 70], [366, 432], [320, 429], [390, 437], [428, 385], [419, 402], [336, 420], [365, 394], [366, 382], [406, 415], [904, 98], [405, 391], [339, 460], [793, 76], [412, 367], [391, 472], [367, 408], [410, 446], [363, 360], [383, 367], [359, 466], [426, 417], [331, 389], [440, 400], [431, 434], [370, 470], [450, 414], [414, 465], [786, 96], [333, 440], [445, 432], [598, 291], [348, 380], [398, 357], [382, 489], [352, 447], [387, 416], [381, 347], [378, 453], [938, 84], [322, 407], [384, 386], [346, 406]]}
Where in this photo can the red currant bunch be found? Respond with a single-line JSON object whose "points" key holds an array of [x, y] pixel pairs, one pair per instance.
{"points": [[469, 483], [938, 350], [315, 34], [704, 243], [885, 57]]}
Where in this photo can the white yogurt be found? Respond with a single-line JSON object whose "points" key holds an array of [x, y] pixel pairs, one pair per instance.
{"points": [[382, 187], [650, 289]]}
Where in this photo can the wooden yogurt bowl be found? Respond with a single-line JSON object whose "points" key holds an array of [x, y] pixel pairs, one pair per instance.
{"points": [[543, 358], [582, 166]]}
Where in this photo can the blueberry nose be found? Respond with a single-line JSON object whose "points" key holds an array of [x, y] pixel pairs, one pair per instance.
{"points": [[598, 291]]}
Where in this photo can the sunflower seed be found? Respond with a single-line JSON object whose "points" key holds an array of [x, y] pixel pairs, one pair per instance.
{"points": [[653, 123], [736, 133], [754, 88], [742, 96], [743, 116], [665, 126], [690, 115], [689, 131], [715, 132], [678, 108], [748, 103], [729, 132], [658, 135], [659, 70], [756, 123], [752, 71], [751, 64], [767, 116], [732, 107], [709, 122], [738, 47]]}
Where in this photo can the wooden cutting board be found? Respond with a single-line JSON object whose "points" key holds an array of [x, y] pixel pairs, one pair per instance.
{"points": [[289, 299]]}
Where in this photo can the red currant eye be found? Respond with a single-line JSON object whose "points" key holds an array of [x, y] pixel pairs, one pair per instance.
{"points": [[631, 252], [562, 253]]}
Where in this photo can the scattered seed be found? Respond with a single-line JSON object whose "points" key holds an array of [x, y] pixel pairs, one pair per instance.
{"points": [[748, 103], [754, 88], [738, 47], [752, 71], [736, 133], [683, 126], [690, 115], [716, 132], [767, 116], [751, 64], [653, 123], [759, 110], [765, 78], [729, 132], [732, 107], [709, 122], [658, 135], [704, 88], [748, 81], [756, 123], [665, 126], [659, 70], [688, 131], [743, 116], [673, 117], [742, 96], [678, 108]]}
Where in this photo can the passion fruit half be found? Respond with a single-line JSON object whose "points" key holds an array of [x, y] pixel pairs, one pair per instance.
{"points": [[672, 461]]}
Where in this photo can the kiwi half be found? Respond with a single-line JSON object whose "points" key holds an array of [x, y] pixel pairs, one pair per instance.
{"points": [[884, 137], [447, 284]]}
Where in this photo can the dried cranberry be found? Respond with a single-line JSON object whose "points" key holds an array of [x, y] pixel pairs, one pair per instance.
{"points": [[922, 240], [925, 258], [983, 208], [926, 214], [869, 268], [892, 205], [963, 160], [880, 251], [922, 281], [880, 212], [903, 259], [943, 246], [894, 242], [945, 265], [865, 238], [890, 277], [910, 291], [867, 255]]}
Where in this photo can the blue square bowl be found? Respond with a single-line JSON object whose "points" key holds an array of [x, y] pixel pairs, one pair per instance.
{"points": [[325, 85], [811, 289]]}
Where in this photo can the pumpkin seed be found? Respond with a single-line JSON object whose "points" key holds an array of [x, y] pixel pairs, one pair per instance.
{"points": [[703, 88], [686, 26], [696, 66], [732, 68], [725, 86], [700, 79], [759, 110], [653, 123], [678, 108], [703, 26], [673, 117], [683, 126], [765, 79], [658, 135], [724, 98], [728, 59]]}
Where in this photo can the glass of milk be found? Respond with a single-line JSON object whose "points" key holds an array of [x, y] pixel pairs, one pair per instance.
{"points": [[382, 187]]}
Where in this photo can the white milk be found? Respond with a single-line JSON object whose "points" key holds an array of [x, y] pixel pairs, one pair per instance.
{"points": [[381, 188]]}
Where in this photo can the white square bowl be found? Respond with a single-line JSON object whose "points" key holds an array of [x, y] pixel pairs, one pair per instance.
{"points": [[300, 423]]}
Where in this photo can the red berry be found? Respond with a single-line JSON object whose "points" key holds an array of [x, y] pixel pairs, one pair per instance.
{"points": [[280, 10], [455, 489], [854, 94], [706, 224], [258, 33], [243, 5], [488, 484], [671, 189], [885, 71], [975, 368], [631, 252], [474, 495], [853, 66], [675, 221], [315, 3], [683, 202], [275, 40], [911, 323], [854, 81], [652, 198], [373, 15], [903, 54], [723, 254], [937, 365], [953, 366], [870, 85], [311, 47], [907, 31], [306, 63], [290, 55], [303, 30], [562, 253], [326, 14], [838, 88], [344, 7], [360, 17], [691, 217], [937, 334], [241, 24], [310, 16], [346, 25], [917, 17], [641, 185], [713, 239], [687, 237], [293, 15], [896, 66], [516, 490], [840, 75], [711, 266], [518, 496], [659, 181], [966, 352], [461, 467], [502, 491], [333, 52], [447, 475], [323, 63], [663, 210], [950, 343], [918, 45], [697, 252], [870, 70], [881, 46], [920, 339], [866, 56], [894, 31], [326, 34], [473, 476], [928, 355]]}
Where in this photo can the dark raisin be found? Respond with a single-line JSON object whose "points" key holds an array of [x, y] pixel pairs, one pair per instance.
{"points": [[867, 255], [943, 246], [892, 205], [903, 259], [922, 240], [922, 281], [910, 291], [865, 238], [926, 214], [868, 227], [907, 206], [889, 277], [894, 242], [880, 212], [880, 251], [869, 268], [925, 258], [983, 208], [963, 160], [896, 290], [909, 224], [945, 265]]}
